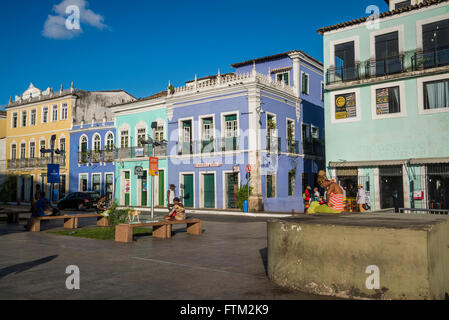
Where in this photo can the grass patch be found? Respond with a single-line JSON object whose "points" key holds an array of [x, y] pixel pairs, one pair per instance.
{"points": [[107, 233]]}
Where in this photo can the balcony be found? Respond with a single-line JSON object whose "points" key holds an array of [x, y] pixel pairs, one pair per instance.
{"points": [[404, 64], [35, 163], [109, 156], [273, 144], [229, 144], [207, 146], [292, 146], [185, 148], [218, 145], [343, 74], [384, 67], [313, 147], [144, 151], [428, 59]]}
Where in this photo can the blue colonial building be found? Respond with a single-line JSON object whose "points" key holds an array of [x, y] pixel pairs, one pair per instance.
{"points": [[92, 147], [268, 114]]}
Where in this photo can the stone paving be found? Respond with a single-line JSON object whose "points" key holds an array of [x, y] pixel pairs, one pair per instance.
{"points": [[227, 262]]}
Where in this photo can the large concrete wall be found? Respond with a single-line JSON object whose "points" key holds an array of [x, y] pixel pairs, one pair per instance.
{"points": [[329, 255]]}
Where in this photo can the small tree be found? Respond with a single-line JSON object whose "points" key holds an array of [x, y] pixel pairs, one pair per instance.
{"points": [[243, 195], [117, 216]]}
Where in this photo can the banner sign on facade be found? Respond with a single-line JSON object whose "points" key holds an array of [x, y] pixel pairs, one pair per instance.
{"points": [[154, 167], [207, 165], [139, 152], [53, 173], [345, 106]]}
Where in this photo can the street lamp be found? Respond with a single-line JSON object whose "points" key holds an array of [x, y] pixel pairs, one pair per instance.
{"points": [[52, 152], [153, 144]]}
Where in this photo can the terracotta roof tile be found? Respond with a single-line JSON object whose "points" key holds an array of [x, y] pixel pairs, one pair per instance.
{"points": [[423, 4]]}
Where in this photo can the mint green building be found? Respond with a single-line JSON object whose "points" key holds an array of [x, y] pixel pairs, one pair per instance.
{"points": [[135, 121], [387, 105]]}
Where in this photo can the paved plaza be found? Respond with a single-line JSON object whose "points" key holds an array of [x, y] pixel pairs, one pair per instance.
{"points": [[227, 262]]}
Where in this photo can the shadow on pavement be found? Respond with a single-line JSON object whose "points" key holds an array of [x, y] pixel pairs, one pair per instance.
{"points": [[264, 255], [22, 267]]}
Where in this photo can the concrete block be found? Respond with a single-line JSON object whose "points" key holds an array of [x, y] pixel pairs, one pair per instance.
{"points": [[374, 256]]}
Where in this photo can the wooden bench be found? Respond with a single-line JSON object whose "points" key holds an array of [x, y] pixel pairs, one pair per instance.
{"points": [[70, 221], [161, 230]]}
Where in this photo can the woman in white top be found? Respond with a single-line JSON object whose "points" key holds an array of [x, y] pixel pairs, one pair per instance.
{"points": [[361, 198], [171, 195]]}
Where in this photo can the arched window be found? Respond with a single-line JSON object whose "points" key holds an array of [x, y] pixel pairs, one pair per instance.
{"points": [[83, 145], [97, 143], [110, 142]]}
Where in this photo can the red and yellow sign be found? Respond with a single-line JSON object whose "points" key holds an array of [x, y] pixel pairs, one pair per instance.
{"points": [[154, 167]]}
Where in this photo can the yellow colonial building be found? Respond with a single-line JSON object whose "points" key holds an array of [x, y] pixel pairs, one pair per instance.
{"points": [[32, 119]]}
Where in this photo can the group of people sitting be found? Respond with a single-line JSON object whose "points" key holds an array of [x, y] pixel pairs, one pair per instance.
{"points": [[315, 203], [41, 206]]}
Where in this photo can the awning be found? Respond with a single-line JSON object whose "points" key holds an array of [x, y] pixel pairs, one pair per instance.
{"points": [[429, 161], [358, 164]]}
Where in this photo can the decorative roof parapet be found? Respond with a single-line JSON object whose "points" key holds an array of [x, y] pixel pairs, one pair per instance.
{"points": [[233, 80], [41, 97]]}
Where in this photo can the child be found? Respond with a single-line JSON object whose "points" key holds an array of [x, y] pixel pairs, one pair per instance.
{"points": [[178, 212], [322, 201], [307, 196]]}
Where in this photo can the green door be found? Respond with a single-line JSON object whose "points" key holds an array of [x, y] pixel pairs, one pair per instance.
{"points": [[161, 187], [231, 189], [144, 190], [127, 187], [269, 186], [188, 190], [209, 191]]}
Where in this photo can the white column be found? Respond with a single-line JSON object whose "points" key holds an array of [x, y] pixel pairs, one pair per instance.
{"points": [[376, 187], [256, 201], [406, 186], [296, 75], [425, 203]]}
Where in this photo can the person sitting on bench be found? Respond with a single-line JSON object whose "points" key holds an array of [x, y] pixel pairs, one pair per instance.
{"points": [[101, 204], [43, 207], [178, 212]]}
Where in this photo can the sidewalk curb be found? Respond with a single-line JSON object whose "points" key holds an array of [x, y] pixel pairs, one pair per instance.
{"points": [[219, 213]]}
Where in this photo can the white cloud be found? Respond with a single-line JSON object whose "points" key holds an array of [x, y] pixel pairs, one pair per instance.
{"points": [[55, 25]]}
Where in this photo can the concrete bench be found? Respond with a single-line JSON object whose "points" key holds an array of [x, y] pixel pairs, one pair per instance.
{"points": [[161, 230], [70, 221], [13, 216], [372, 255]]}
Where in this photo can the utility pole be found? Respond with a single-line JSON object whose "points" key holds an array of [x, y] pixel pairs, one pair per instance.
{"points": [[153, 144]]}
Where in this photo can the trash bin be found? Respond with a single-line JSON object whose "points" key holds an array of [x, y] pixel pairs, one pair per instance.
{"points": [[245, 206]]}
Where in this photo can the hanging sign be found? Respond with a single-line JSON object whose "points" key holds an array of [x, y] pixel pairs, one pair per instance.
{"points": [[53, 173], [154, 167], [138, 171]]}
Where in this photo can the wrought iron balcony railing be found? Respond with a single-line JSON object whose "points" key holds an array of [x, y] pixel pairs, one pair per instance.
{"points": [[384, 67], [30, 163], [343, 74], [292, 146], [273, 144], [218, 145], [408, 61], [433, 58], [229, 144]]}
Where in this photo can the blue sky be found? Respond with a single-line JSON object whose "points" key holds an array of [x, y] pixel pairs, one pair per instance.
{"points": [[139, 45]]}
